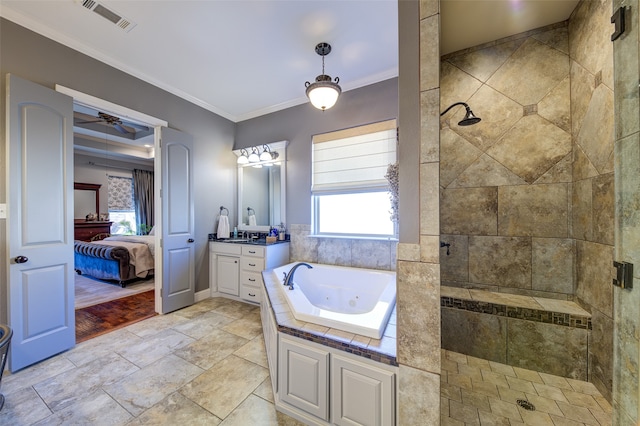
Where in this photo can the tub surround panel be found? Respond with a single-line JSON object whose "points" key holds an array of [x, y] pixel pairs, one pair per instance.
{"points": [[418, 397], [418, 287], [353, 252], [561, 351]]}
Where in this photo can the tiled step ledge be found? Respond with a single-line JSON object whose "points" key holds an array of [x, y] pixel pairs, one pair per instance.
{"points": [[537, 309]]}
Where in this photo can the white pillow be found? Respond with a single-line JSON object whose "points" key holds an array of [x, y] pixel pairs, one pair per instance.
{"points": [[153, 231]]}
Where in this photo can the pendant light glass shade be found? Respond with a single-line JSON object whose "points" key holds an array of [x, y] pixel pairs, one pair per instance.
{"points": [[266, 154], [323, 93]]}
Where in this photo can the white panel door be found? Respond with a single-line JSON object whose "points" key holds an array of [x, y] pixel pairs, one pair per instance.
{"points": [[361, 394], [39, 222], [178, 247], [304, 378]]}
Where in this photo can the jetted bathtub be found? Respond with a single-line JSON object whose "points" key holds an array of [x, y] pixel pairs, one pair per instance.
{"points": [[354, 300]]}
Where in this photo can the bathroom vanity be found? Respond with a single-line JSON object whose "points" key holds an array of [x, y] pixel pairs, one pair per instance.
{"points": [[235, 267]]}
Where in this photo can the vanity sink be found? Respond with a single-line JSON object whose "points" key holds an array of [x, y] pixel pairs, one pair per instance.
{"points": [[237, 240]]}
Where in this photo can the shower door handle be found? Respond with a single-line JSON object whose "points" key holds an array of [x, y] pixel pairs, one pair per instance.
{"points": [[624, 275]]}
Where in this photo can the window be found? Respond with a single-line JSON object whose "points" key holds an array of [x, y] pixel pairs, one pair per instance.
{"points": [[121, 206], [350, 193]]}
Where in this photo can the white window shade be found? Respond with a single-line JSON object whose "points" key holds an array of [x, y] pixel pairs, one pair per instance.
{"points": [[354, 158]]}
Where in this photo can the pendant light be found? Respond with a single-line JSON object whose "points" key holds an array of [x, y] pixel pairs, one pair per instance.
{"points": [[323, 93]]}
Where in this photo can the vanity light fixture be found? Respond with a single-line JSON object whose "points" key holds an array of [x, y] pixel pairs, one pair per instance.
{"points": [[254, 157], [323, 93], [243, 158], [266, 154]]}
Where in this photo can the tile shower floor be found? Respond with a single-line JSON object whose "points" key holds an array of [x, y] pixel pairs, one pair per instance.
{"points": [[475, 391], [206, 364]]}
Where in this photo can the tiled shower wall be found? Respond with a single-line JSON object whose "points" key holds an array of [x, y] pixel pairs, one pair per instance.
{"points": [[527, 194]]}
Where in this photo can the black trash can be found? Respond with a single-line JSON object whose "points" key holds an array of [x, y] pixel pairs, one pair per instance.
{"points": [[5, 339]]}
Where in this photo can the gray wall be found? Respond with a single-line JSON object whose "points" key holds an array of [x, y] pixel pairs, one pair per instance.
{"points": [[365, 105], [43, 61]]}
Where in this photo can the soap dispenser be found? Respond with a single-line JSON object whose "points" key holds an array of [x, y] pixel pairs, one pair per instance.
{"points": [[235, 232]]}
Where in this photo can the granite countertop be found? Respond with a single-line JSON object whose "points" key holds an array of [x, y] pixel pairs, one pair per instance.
{"points": [[381, 350], [254, 242]]}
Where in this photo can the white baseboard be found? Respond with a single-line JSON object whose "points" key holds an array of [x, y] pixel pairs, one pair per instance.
{"points": [[201, 295]]}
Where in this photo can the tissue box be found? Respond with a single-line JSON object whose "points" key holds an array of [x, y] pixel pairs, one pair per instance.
{"points": [[271, 240]]}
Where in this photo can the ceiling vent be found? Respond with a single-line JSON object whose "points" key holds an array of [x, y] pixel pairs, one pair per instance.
{"points": [[109, 14]]}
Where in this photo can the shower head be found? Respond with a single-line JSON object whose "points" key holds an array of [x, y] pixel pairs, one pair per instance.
{"points": [[469, 118]]}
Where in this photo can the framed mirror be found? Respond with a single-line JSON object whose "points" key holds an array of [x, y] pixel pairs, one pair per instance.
{"points": [[86, 199], [261, 191]]}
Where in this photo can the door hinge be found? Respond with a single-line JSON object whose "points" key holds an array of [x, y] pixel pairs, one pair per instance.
{"points": [[624, 275]]}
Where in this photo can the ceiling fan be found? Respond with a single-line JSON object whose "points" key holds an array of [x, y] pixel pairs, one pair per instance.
{"points": [[116, 122]]}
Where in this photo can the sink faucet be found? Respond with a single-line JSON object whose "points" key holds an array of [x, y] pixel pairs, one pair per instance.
{"points": [[288, 279]]}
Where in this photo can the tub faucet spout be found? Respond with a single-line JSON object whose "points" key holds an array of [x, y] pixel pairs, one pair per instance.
{"points": [[288, 279]]}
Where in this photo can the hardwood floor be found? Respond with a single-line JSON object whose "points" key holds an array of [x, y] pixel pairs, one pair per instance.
{"points": [[90, 291]]}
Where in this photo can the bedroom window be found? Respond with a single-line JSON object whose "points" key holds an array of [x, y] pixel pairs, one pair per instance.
{"points": [[121, 206], [350, 192]]}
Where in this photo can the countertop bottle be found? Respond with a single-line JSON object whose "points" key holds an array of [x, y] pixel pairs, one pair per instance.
{"points": [[235, 232]]}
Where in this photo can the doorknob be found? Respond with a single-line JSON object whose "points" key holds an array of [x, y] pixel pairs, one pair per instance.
{"points": [[190, 240], [21, 259]]}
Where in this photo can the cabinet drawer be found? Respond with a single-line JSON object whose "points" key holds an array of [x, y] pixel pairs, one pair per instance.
{"points": [[226, 248], [253, 264], [255, 251], [249, 293], [251, 278]]}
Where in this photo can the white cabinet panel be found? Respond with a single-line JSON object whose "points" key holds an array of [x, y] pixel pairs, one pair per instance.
{"points": [[303, 377], [228, 274], [361, 394]]}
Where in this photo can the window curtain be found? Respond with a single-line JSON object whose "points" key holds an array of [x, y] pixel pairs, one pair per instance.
{"points": [[143, 197]]}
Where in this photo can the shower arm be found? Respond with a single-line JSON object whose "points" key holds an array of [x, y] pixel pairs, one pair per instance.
{"points": [[456, 104]]}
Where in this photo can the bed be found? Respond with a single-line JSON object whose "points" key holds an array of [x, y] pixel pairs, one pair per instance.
{"points": [[122, 258]]}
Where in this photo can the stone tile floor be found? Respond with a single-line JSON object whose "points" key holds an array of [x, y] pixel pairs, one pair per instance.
{"points": [[475, 391], [206, 364]]}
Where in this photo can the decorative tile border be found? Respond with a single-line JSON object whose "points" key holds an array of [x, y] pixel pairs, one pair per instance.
{"points": [[535, 315], [342, 346]]}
